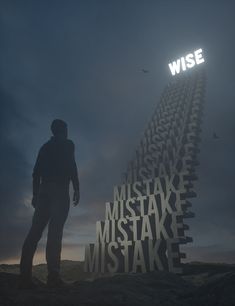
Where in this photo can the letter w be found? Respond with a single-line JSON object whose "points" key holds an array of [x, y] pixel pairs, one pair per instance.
{"points": [[175, 67]]}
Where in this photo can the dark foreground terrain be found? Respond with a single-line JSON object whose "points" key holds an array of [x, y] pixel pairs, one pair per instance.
{"points": [[201, 284]]}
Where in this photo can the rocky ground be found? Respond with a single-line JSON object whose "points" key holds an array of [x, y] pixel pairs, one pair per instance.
{"points": [[201, 284]]}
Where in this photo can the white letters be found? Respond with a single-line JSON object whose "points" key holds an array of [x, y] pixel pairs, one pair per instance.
{"points": [[186, 62], [175, 67], [190, 60], [198, 56]]}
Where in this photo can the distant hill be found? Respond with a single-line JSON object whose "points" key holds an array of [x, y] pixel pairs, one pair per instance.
{"points": [[201, 284]]}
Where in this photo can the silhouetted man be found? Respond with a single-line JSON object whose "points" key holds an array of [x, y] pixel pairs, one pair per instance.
{"points": [[54, 169]]}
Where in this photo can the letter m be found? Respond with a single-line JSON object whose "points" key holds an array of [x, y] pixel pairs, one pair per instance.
{"points": [[119, 195], [102, 231], [91, 258], [111, 211]]}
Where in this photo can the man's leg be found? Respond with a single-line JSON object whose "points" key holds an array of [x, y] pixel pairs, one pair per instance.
{"points": [[59, 215], [39, 222]]}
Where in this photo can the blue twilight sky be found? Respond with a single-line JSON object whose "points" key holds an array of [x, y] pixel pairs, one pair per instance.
{"points": [[81, 61]]}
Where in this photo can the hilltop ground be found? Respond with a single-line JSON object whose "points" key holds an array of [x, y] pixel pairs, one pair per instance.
{"points": [[201, 284]]}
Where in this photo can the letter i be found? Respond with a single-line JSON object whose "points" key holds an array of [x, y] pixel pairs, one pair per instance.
{"points": [[129, 188], [183, 64]]}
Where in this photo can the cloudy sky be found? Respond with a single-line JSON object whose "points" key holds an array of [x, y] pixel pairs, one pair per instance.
{"points": [[81, 61]]}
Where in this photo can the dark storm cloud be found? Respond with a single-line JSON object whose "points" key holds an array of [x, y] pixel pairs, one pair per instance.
{"points": [[82, 61]]}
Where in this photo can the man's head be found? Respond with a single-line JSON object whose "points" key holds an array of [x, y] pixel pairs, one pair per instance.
{"points": [[59, 128]]}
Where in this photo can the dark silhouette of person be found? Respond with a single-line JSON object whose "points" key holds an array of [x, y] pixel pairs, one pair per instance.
{"points": [[55, 167]]}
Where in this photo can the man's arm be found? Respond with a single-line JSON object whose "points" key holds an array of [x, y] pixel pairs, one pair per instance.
{"points": [[74, 178], [36, 178]]}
